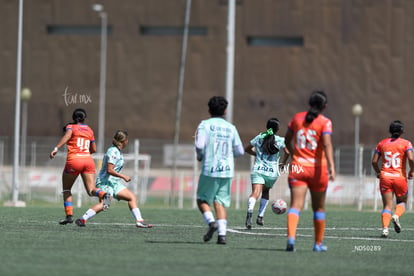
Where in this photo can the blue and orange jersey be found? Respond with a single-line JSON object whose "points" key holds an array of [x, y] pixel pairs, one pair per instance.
{"points": [[308, 146], [78, 145], [393, 152]]}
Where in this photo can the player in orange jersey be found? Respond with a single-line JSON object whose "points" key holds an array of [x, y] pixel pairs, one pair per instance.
{"points": [[308, 139], [80, 142], [394, 152]]}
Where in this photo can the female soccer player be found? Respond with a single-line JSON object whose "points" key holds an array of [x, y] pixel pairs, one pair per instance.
{"points": [[266, 148], [308, 139], [394, 152], [217, 143], [109, 181], [80, 142]]}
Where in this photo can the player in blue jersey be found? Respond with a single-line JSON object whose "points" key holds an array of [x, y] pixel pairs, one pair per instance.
{"points": [[266, 147], [217, 143], [109, 181]]}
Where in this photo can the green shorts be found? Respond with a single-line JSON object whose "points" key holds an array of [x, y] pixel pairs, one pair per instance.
{"points": [[258, 178], [113, 188], [214, 189]]}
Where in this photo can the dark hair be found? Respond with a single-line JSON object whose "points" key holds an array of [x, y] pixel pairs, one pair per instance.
{"points": [[396, 129], [269, 146], [317, 102], [79, 115], [217, 106], [119, 137]]}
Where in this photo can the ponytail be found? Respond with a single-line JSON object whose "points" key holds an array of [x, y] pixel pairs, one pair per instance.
{"points": [[317, 103]]}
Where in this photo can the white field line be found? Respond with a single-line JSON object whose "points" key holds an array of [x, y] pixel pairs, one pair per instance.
{"points": [[255, 232]]}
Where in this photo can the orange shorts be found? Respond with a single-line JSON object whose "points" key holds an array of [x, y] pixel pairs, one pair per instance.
{"points": [[79, 166], [316, 178], [398, 185]]}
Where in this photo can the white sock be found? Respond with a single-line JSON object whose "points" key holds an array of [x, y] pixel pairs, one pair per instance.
{"points": [[263, 205], [208, 217], [89, 214], [136, 213], [222, 227], [250, 204]]}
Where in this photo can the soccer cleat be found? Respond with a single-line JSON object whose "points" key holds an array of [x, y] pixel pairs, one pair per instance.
{"points": [[80, 222], [212, 227], [259, 221], [106, 201], [221, 239], [68, 219], [141, 224], [290, 247], [397, 225], [385, 232], [249, 220], [320, 247]]}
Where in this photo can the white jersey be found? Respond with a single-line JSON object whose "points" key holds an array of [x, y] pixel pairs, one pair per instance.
{"points": [[266, 164], [217, 143], [114, 156]]}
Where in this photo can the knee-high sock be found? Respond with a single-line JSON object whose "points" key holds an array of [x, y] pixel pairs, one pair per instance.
{"points": [[68, 208], [385, 218], [222, 227], [263, 205], [89, 214], [400, 209], [292, 222], [319, 222], [250, 204]]}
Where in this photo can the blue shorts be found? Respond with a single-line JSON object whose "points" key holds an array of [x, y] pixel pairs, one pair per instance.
{"points": [[257, 178], [214, 189]]}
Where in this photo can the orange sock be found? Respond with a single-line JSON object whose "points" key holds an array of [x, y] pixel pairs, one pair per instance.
{"points": [[319, 223], [100, 193], [68, 208], [400, 209], [292, 222], [385, 217]]}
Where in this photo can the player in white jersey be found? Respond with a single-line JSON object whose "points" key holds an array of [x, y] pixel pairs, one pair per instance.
{"points": [[109, 180], [217, 143], [266, 147]]}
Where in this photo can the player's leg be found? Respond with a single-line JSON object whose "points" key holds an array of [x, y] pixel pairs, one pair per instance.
{"points": [[205, 196], [127, 195], [298, 191], [90, 213], [264, 201], [387, 202], [401, 190], [67, 182], [319, 218], [221, 202], [256, 191]]}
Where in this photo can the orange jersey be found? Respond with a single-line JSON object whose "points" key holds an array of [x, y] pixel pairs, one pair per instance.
{"points": [[308, 147], [78, 145], [393, 153]]}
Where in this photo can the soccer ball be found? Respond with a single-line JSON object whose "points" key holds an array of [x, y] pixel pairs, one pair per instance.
{"points": [[279, 206]]}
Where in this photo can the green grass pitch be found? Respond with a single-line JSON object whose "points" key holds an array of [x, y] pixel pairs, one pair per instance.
{"points": [[33, 243]]}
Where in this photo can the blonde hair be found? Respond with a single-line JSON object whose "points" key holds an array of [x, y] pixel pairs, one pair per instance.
{"points": [[119, 137]]}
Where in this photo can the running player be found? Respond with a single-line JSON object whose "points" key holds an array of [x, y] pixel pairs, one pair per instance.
{"points": [[266, 147], [308, 139], [394, 152], [80, 142], [109, 181], [217, 142]]}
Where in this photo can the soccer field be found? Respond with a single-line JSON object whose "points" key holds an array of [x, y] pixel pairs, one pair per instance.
{"points": [[33, 243]]}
